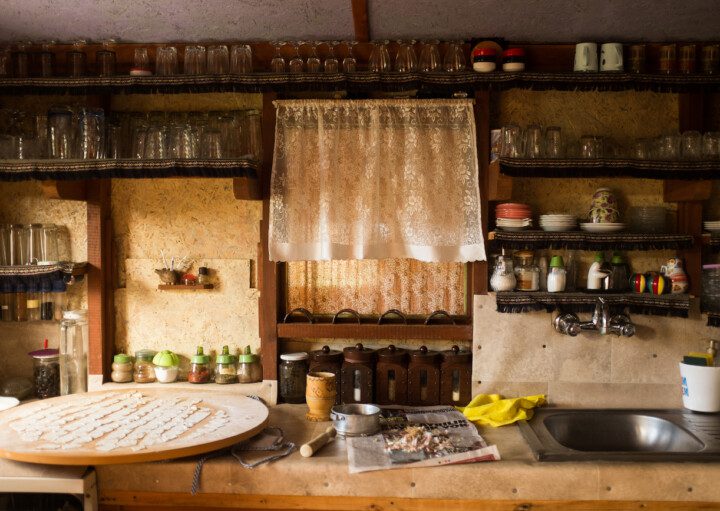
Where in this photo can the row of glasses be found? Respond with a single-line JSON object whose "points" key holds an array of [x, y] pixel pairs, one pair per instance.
{"points": [[313, 63], [532, 142], [689, 145], [199, 61], [28, 244], [406, 60]]}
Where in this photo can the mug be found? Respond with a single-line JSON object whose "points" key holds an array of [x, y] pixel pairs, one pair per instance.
{"points": [[611, 57], [586, 58]]}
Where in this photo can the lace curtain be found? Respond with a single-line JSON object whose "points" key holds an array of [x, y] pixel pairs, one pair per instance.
{"points": [[375, 179]]}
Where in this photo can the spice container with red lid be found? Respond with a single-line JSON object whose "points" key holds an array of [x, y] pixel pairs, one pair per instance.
{"points": [[484, 60], [456, 377], [424, 377], [391, 376], [326, 360], [514, 60], [357, 374]]}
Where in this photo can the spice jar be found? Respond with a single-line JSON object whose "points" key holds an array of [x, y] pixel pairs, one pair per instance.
{"points": [[166, 365], [513, 60], [46, 372], [33, 302], [144, 371], [484, 60], [293, 374], [456, 377], [556, 277], [200, 371], [527, 274], [20, 302], [122, 369], [6, 301], [391, 376], [357, 375], [225, 371], [203, 276], [326, 360], [424, 377], [249, 367], [47, 305]]}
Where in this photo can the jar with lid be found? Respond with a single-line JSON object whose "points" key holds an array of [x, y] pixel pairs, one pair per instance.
{"points": [[424, 377], [122, 369], [326, 360], [200, 371], [391, 376], [166, 365], [225, 370], [47, 305], [484, 60], [33, 302], [46, 372], [144, 371], [249, 367], [556, 276], [6, 301], [527, 273], [456, 377], [357, 375], [203, 276], [293, 374], [503, 277], [513, 60]]}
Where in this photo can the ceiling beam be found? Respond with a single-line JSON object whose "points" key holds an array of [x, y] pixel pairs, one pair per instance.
{"points": [[360, 20]]}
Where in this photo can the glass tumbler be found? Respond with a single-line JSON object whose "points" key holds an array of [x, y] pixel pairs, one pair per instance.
{"points": [[668, 147], [379, 61], [251, 135], [22, 61], [218, 60], [691, 145], [241, 59], [711, 145], [406, 60], [5, 252], [113, 141], [76, 60], [195, 60], [91, 134], [430, 57], [454, 60], [105, 62], [166, 61], [668, 61], [553, 142], [212, 144], [636, 62], [277, 64], [313, 61], [47, 245], [331, 64], [155, 143], [591, 147], [141, 62], [61, 133], [511, 142], [5, 61], [687, 59], [533, 141], [710, 54], [349, 64], [19, 249]]}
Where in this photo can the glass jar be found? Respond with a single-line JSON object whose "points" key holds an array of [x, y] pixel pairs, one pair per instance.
{"points": [[200, 371], [292, 374], [249, 368], [203, 276], [484, 60], [46, 372], [32, 301], [20, 303], [710, 294], [73, 354], [527, 273], [513, 60], [225, 370], [144, 370], [503, 277], [122, 369], [6, 302]]}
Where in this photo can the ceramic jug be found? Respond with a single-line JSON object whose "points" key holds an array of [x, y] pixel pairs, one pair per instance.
{"points": [[673, 269]]}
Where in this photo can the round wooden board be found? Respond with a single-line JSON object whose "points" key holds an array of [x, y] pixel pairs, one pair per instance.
{"points": [[247, 417]]}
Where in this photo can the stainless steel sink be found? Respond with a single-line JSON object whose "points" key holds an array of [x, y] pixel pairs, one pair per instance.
{"points": [[622, 435]]}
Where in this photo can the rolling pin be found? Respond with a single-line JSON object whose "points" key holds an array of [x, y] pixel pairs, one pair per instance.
{"points": [[318, 442]]}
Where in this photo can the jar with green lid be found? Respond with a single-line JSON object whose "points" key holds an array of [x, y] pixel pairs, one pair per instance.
{"points": [[200, 371], [249, 367], [122, 368], [225, 371], [144, 369]]}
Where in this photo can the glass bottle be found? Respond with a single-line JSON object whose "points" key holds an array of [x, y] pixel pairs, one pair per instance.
{"points": [[47, 304], [33, 302], [20, 309], [203, 276], [59, 298], [292, 374], [73, 355], [503, 277], [527, 273], [225, 371], [200, 371], [6, 301], [249, 368], [122, 368], [144, 370]]}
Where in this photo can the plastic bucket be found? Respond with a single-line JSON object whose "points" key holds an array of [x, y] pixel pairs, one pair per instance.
{"points": [[700, 388]]}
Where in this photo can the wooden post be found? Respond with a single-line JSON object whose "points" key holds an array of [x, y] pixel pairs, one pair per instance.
{"points": [[482, 126], [360, 20]]}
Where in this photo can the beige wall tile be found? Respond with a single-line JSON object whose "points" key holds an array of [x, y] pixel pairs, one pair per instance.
{"points": [[615, 395]]}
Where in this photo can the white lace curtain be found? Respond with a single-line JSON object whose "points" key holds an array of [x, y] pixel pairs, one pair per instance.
{"points": [[375, 179]]}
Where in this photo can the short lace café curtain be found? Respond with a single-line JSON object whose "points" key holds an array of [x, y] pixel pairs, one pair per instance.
{"points": [[375, 179]]}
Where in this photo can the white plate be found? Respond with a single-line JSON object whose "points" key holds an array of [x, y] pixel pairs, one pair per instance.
{"points": [[8, 402], [607, 227]]}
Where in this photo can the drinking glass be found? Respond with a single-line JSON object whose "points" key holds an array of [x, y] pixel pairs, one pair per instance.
{"points": [[5, 61], [331, 64], [5, 253], [241, 59], [91, 133], [636, 62], [642, 149], [511, 142], [45, 245], [687, 59], [710, 54], [277, 64], [229, 135], [19, 249], [430, 57], [141, 62], [454, 60], [155, 143], [711, 145], [668, 61], [185, 142], [76, 59], [105, 59], [195, 60], [553, 142], [251, 135], [61, 133], [212, 144], [24, 147], [113, 141], [691, 145], [349, 64], [22, 61], [218, 60], [533, 141], [379, 61], [313, 61], [406, 60], [591, 147], [166, 61], [296, 63], [668, 147]]}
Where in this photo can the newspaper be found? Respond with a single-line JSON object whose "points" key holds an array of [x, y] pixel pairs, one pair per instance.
{"points": [[425, 436]]}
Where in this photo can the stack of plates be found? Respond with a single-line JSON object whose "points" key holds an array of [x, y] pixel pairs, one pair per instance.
{"points": [[602, 226], [650, 219], [513, 216], [712, 225], [558, 223]]}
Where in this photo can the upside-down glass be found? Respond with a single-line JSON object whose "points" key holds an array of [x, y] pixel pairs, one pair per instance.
{"points": [[430, 57], [296, 64], [379, 61], [195, 60], [668, 147], [91, 133], [113, 141], [76, 59], [711, 145], [406, 60], [331, 64], [349, 64], [61, 133], [591, 147], [24, 147], [22, 61], [277, 64], [710, 54], [166, 61], [155, 143], [313, 61], [691, 145], [5, 253], [141, 61], [553, 142], [184, 142], [533, 141], [251, 135], [105, 63], [218, 60], [454, 60], [5, 61], [511, 142], [240, 59], [211, 147]]}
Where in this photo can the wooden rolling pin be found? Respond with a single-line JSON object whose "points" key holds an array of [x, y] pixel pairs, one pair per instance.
{"points": [[318, 442]]}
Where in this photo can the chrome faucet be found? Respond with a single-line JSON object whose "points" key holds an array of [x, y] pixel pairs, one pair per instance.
{"points": [[602, 322]]}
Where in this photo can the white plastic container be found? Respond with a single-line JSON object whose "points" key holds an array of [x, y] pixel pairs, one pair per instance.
{"points": [[700, 388]]}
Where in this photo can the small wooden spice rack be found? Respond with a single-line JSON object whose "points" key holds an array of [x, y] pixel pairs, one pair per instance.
{"points": [[184, 287]]}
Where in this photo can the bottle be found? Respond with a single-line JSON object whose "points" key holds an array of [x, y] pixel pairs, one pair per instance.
{"points": [[225, 371], [47, 305], [557, 276], [200, 371], [122, 368], [249, 369], [527, 274], [33, 302], [144, 370], [20, 310], [203, 276], [6, 301], [598, 274], [73, 354], [59, 298]]}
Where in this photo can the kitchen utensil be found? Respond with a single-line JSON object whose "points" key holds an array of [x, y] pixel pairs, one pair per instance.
{"points": [[356, 419], [320, 393], [317, 443]]}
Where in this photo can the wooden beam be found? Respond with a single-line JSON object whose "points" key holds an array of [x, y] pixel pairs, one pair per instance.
{"points": [[360, 20], [676, 190], [67, 190], [482, 125], [499, 185], [246, 188]]}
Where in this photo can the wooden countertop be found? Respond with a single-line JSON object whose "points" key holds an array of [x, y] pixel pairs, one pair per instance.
{"points": [[517, 478]]}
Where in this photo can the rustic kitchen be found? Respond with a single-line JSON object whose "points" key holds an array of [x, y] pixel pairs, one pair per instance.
{"points": [[352, 254]]}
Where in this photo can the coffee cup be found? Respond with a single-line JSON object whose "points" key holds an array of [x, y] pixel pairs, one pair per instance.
{"points": [[611, 57], [586, 57]]}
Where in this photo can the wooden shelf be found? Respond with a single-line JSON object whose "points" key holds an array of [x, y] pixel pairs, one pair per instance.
{"points": [[374, 331], [29, 271], [581, 240], [184, 287], [644, 169]]}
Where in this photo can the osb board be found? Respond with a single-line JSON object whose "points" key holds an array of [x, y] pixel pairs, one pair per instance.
{"points": [[246, 418]]}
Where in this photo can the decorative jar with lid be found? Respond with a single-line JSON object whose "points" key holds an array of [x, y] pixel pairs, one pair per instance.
{"points": [[527, 273], [424, 377], [249, 367], [358, 371], [391, 376], [456, 377], [327, 360], [225, 370]]}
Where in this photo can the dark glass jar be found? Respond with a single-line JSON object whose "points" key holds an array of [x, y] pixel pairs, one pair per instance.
{"points": [[292, 374], [391, 376], [456, 377], [358, 370], [484, 60], [326, 360], [424, 377], [514, 60], [46, 372]]}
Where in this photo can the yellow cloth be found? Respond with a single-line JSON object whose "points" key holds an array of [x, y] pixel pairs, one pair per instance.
{"points": [[493, 410]]}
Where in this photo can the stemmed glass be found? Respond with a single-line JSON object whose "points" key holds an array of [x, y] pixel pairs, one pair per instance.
{"points": [[313, 61], [296, 63], [406, 60], [331, 64], [379, 58], [430, 57], [454, 57], [277, 64], [349, 64]]}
